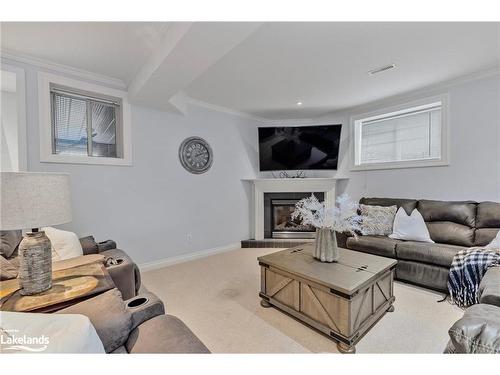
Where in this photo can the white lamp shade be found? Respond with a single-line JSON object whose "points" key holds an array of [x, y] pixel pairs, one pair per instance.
{"points": [[34, 200]]}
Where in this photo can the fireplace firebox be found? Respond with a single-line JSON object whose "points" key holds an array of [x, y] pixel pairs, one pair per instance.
{"points": [[278, 222]]}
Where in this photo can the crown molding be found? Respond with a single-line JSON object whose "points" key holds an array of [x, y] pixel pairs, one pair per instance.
{"points": [[199, 103], [408, 95], [432, 89], [60, 68]]}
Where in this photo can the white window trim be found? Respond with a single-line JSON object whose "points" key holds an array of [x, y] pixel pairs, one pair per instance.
{"points": [[445, 135], [44, 108]]}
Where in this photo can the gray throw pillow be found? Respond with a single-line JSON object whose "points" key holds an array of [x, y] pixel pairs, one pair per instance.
{"points": [[9, 241], [377, 220], [109, 316], [8, 269]]}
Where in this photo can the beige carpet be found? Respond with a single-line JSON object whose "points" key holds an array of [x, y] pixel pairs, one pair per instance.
{"points": [[217, 297]]}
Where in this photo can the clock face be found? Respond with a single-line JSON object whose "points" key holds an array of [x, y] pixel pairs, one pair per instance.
{"points": [[196, 155]]}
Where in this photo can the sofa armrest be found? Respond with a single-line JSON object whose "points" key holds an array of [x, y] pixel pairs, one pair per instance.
{"points": [[342, 239], [477, 331], [144, 307], [89, 246], [489, 289], [106, 245], [125, 274]]}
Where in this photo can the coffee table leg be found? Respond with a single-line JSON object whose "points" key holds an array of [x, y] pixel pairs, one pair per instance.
{"points": [[346, 349], [391, 308], [264, 303]]}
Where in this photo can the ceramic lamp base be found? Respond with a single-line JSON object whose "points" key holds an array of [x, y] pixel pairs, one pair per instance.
{"points": [[35, 263]]}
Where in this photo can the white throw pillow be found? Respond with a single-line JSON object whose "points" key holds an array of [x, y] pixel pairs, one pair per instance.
{"points": [[377, 220], [65, 245], [410, 228], [495, 244]]}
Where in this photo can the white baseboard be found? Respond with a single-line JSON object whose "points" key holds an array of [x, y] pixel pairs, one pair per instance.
{"points": [[155, 264]]}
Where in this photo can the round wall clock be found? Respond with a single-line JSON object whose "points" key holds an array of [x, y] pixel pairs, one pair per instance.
{"points": [[196, 155]]}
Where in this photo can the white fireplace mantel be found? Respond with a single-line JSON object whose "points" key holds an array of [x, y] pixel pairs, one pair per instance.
{"points": [[288, 185]]}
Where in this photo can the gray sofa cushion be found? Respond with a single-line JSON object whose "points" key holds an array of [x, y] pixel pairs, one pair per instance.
{"points": [[449, 222], [448, 232], [108, 314], [478, 331], [9, 241], [438, 254], [489, 289], [484, 236], [8, 269], [378, 245], [488, 215], [458, 212], [428, 275], [164, 334], [408, 204]]}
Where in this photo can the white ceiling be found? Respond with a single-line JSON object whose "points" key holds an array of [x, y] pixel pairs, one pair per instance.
{"points": [[325, 65], [263, 69], [114, 49]]}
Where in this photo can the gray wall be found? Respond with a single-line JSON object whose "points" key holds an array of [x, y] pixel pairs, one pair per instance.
{"points": [[474, 170], [152, 207]]}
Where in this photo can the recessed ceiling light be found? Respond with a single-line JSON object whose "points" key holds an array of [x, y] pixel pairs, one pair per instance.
{"points": [[299, 103], [382, 69]]}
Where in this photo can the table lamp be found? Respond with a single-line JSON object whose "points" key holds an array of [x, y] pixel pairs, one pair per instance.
{"points": [[34, 200]]}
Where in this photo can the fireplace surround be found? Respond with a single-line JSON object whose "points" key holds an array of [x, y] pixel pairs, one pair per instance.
{"points": [[261, 186]]}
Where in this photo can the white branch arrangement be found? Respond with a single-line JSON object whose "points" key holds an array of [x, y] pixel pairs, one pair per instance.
{"points": [[341, 218]]}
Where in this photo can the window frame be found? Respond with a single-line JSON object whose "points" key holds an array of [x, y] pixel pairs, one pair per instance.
{"points": [[46, 83], [355, 136]]}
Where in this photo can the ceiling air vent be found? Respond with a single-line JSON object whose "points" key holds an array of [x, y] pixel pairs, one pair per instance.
{"points": [[382, 69]]}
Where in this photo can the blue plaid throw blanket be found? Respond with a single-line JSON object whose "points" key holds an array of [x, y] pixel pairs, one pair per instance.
{"points": [[466, 272]]}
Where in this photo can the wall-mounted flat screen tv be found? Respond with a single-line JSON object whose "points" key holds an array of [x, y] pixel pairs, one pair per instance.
{"points": [[299, 147]]}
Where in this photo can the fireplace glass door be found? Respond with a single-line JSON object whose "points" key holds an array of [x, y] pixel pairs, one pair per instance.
{"points": [[283, 226]]}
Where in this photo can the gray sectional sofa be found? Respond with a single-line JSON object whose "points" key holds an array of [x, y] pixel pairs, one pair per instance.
{"points": [[453, 226]]}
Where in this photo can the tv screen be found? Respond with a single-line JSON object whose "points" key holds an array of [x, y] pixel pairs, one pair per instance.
{"points": [[299, 147]]}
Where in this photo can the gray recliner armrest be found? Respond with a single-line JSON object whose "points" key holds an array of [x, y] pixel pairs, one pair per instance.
{"points": [[89, 246], [144, 307], [489, 289], [106, 245], [478, 331], [125, 274]]}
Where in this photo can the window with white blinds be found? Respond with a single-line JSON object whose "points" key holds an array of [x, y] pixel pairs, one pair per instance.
{"points": [[398, 138], [84, 125]]}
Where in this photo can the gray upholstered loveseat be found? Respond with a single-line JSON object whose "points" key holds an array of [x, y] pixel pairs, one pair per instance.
{"points": [[453, 226]]}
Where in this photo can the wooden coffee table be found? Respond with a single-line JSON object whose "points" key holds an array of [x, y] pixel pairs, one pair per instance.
{"points": [[342, 300]]}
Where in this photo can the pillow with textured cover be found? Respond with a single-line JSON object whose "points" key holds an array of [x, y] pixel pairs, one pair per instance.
{"points": [[377, 220], [410, 227]]}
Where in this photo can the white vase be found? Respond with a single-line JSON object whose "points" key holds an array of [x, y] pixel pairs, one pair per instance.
{"points": [[325, 246]]}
